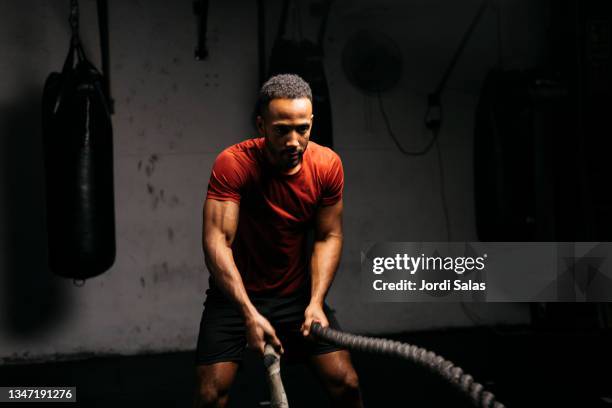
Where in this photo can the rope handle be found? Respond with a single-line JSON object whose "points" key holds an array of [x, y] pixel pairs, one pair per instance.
{"points": [[278, 398]]}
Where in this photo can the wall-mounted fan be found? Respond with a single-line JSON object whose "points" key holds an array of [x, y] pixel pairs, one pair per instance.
{"points": [[372, 61]]}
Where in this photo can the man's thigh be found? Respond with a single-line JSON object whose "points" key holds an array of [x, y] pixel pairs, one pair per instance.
{"points": [[334, 368], [222, 333]]}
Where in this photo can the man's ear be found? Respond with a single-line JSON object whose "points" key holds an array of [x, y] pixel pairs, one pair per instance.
{"points": [[259, 122]]}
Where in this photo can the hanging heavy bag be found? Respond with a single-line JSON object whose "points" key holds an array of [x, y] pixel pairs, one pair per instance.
{"points": [[77, 133], [305, 58]]}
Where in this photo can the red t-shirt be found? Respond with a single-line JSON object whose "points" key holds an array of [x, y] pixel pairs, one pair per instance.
{"points": [[275, 211]]}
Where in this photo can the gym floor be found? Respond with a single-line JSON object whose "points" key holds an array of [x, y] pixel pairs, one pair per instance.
{"points": [[522, 367]]}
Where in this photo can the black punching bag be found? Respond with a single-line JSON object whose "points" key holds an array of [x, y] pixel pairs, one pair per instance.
{"points": [[305, 58], [77, 133]]}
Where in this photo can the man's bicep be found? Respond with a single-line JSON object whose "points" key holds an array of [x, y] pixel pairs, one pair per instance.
{"points": [[329, 221], [220, 220]]}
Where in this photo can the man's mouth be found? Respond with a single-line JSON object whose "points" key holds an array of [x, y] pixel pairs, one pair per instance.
{"points": [[292, 154]]}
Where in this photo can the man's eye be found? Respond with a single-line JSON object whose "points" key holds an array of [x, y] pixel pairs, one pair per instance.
{"points": [[303, 129], [281, 130]]}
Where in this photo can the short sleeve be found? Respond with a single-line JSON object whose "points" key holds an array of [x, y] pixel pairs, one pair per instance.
{"points": [[226, 179], [333, 183]]}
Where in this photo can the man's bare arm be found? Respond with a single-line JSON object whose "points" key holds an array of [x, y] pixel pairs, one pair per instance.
{"points": [[324, 262], [219, 230]]}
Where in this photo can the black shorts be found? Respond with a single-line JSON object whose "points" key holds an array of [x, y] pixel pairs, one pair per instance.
{"points": [[222, 334]]}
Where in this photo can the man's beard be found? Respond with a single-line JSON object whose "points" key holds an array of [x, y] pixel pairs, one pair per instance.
{"points": [[285, 159], [290, 159]]}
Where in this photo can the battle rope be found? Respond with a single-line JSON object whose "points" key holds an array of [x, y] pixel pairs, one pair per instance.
{"points": [[453, 374]]}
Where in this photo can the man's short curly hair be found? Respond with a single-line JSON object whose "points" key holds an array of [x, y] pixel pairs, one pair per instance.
{"points": [[282, 86]]}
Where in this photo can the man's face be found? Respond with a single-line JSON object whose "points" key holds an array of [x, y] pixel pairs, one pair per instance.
{"points": [[286, 125]]}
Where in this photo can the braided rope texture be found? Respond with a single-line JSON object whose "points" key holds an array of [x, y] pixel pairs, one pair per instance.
{"points": [[428, 359]]}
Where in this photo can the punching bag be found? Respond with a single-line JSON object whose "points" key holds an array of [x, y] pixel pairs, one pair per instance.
{"points": [[305, 58], [78, 152], [524, 153]]}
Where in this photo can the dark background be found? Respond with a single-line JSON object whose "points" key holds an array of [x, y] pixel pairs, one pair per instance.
{"points": [[520, 153]]}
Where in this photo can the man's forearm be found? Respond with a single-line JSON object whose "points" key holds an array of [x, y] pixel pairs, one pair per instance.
{"points": [[220, 262], [323, 265]]}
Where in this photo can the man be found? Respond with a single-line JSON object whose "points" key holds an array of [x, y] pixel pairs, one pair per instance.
{"points": [[263, 196]]}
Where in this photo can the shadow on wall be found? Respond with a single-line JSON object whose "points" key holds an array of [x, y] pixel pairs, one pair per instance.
{"points": [[32, 299]]}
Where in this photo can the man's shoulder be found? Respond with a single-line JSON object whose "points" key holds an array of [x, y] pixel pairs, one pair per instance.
{"points": [[322, 155], [244, 152], [245, 147]]}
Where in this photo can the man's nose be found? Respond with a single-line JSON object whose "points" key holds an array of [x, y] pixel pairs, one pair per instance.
{"points": [[292, 139]]}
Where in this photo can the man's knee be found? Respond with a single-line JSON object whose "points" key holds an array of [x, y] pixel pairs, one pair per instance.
{"points": [[345, 386], [210, 396], [213, 383], [350, 383]]}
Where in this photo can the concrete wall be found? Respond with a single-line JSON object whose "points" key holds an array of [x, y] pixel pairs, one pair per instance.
{"points": [[173, 115]]}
